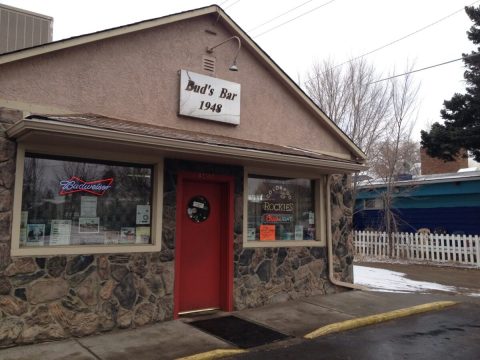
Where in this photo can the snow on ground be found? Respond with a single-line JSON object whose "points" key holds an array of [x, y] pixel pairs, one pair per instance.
{"points": [[392, 281]]}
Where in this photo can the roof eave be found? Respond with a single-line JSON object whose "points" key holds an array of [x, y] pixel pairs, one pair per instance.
{"points": [[26, 126]]}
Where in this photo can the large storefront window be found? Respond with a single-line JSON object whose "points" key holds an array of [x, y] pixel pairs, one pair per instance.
{"points": [[78, 202], [280, 209]]}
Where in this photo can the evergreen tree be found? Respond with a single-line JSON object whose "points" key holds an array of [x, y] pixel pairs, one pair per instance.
{"points": [[462, 112]]}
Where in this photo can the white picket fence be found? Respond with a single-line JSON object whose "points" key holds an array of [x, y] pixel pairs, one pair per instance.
{"points": [[463, 249]]}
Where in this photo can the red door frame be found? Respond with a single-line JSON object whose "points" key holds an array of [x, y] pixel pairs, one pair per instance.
{"points": [[226, 287]]}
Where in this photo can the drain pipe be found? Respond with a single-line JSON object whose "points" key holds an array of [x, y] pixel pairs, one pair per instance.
{"points": [[330, 244]]}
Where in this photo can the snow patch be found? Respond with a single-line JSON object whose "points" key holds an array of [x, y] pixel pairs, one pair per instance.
{"points": [[393, 281]]}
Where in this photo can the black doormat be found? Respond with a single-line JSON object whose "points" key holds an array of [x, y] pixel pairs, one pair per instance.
{"points": [[239, 332]]}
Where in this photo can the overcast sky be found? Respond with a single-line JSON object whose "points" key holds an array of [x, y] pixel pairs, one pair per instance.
{"points": [[341, 29]]}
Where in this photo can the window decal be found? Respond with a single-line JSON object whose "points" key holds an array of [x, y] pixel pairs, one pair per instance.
{"points": [[198, 209]]}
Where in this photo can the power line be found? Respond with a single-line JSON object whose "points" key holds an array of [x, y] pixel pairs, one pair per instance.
{"points": [[229, 6], [425, 68], [402, 38], [295, 18], [278, 16]]}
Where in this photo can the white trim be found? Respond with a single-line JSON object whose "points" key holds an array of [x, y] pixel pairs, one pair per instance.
{"points": [[426, 179], [21, 128], [157, 211], [17, 202], [320, 216]]}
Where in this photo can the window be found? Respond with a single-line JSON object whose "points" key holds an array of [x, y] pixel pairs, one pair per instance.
{"points": [[376, 204], [281, 210], [70, 202]]}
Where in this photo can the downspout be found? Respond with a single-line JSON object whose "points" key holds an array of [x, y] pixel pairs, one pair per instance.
{"points": [[330, 244]]}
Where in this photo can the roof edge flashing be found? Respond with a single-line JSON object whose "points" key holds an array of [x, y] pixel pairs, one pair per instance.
{"points": [[34, 124]]}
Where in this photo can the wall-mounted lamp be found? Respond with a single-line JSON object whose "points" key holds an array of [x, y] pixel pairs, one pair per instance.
{"points": [[233, 67]]}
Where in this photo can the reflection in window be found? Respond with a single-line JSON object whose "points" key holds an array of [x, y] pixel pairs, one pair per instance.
{"points": [[80, 202], [280, 209]]}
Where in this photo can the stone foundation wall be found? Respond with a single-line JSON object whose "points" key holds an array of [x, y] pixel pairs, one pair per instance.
{"points": [[50, 298], [62, 296], [342, 227]]}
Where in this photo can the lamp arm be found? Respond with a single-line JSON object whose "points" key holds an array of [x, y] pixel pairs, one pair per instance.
{"points": [[210, 50]]}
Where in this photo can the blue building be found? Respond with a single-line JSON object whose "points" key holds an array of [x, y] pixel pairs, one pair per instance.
{"points": [[447, 203]]}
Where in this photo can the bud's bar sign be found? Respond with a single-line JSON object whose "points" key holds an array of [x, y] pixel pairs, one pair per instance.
{"points": [[75, 184], [210, 98]]}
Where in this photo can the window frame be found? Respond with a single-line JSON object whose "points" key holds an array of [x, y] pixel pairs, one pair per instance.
{"points": [[94, 157], [377, 204], [319, 181]]}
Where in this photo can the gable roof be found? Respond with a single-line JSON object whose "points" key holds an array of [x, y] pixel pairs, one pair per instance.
{"points": [[247, 42]]}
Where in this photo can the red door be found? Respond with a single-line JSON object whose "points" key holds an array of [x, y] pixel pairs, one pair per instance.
{"points": [[202, 244]]}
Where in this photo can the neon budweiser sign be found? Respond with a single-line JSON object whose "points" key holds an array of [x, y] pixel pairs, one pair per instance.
{"points": [[75, 184]]}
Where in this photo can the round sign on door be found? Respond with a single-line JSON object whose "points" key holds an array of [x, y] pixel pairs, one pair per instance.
{"points": [[198, 209]]}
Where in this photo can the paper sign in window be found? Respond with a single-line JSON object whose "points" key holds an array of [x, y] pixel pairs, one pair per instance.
{"points": [[88, 206], [251, 232], [143, 214], [298, 232], [267, 232], [60, 231]]}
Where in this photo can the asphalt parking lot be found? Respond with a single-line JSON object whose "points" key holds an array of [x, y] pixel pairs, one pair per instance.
{"points": [[452, 332]]}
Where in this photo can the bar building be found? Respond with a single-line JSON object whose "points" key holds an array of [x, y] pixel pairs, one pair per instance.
{"points": [[141, 179]]}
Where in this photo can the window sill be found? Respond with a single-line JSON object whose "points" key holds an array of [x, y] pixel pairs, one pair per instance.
{"points": [[283, 243], [80, 250]]}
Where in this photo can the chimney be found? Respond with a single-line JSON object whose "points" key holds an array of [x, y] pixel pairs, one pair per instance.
{"points": [[20, 29], [438, 166]]}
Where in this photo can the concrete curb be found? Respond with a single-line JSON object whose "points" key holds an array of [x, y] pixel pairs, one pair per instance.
{"points": [[378, 318], [214, 354]]}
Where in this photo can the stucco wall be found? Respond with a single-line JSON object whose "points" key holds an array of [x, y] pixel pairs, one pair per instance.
{"points": [[135, 77]]}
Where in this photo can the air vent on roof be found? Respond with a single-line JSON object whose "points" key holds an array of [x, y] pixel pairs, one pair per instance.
{"points": [[208, 64]]}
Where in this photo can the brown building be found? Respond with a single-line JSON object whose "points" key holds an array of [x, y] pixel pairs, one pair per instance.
{"points": [[164, 183], [432, 165]]}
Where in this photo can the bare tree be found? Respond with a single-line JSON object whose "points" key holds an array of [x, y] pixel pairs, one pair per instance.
{"points": [[377, 115], [389, 155], [408, 155], [352, 98]]}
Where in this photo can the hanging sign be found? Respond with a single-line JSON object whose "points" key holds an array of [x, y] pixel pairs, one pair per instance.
{"points": [[206, 97]]}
